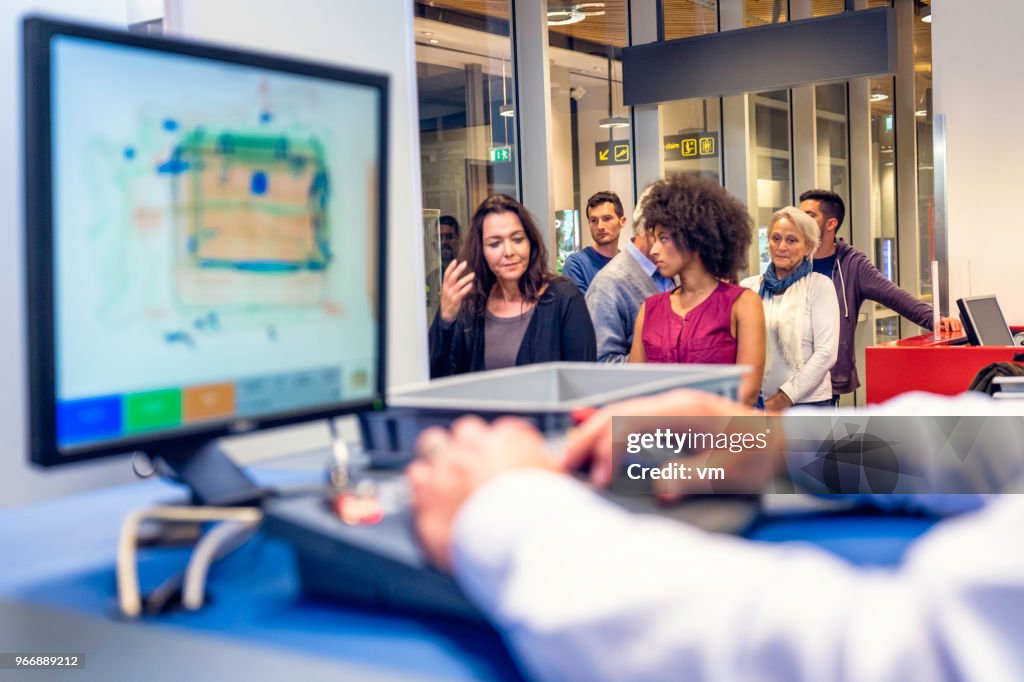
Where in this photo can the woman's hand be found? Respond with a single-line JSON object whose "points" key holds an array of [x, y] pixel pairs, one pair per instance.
{"points": [[778, 402], [455, 286]]}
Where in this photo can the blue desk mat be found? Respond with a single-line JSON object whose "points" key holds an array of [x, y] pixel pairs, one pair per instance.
{"points": [[61, 554]]}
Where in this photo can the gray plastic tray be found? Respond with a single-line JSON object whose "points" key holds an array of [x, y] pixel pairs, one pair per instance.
{"points": [[545, 394]]}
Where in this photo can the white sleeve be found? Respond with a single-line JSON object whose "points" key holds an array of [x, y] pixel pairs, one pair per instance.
{"points": [[952, 451], [583, 590], [823, 316]]}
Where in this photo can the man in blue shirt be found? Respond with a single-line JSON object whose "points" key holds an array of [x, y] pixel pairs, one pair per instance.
{"points": [[606, 218], [616, 292]]}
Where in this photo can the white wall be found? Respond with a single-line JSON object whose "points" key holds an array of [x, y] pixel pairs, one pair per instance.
{"points": [[977, 57], [19, 482]]}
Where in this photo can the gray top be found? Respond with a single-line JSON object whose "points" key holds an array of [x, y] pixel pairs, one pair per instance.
{"points": [[614, 299], [502, 338]]}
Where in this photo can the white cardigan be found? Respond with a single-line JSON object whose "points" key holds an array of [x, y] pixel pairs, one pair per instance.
{"points": [[802, 338]]}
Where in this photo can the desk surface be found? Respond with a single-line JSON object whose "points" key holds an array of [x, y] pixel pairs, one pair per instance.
{"points": [[60, 555], [924, 363]]}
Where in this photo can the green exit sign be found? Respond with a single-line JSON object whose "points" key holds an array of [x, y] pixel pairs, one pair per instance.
{"points": [[501, 154]]}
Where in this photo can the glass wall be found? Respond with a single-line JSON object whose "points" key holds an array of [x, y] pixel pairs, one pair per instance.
{"points": [[688, 18], [761, 12], [925, 148], [592, 149], [746, 142], [692, 137], [468, 147], [821, 8], [832, 134], [773, 162]]}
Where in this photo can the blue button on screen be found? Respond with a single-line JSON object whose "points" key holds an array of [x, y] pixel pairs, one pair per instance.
{"points": [[91, 419]]}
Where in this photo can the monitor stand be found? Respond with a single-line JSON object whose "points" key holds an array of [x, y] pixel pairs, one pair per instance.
{"points": [[213, 479]]}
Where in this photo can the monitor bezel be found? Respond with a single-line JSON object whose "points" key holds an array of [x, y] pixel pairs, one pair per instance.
{"points": [[37, 34], [970, 324]]}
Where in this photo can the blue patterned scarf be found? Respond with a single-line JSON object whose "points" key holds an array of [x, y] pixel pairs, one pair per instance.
{"points": [[772, 285]]}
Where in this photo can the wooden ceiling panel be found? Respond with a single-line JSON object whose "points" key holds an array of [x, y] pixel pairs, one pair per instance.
{"points": [[608, 29]]}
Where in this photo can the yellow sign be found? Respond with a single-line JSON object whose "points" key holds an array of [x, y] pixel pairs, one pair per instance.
{"points": [[622, 152], [689, 147], [707, 146], [603, 155]]}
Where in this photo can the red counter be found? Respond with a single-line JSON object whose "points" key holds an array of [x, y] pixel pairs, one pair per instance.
{"points": [[923, 363]]}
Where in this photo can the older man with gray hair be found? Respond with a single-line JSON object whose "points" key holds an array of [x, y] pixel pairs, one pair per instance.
{"points": [[615, 294]]}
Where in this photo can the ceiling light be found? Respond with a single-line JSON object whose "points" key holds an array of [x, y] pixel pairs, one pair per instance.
{"points": [[614, 122], [589, 9], [428, 33], [564, 17], [434, 41], [926, 14], [575, 14], [506, 110], [879, 96]]}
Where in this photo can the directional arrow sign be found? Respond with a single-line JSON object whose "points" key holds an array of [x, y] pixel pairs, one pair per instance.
{"points": [[616, 153]]}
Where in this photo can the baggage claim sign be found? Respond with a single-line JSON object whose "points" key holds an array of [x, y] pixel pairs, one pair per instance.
{"points": [[691, 146]]}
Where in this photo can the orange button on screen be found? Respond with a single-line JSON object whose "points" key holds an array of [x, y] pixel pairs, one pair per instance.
{"points": [[208, 402]]}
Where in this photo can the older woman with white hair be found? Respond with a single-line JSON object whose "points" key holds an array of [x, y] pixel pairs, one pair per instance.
{"points": [[801, 315]]}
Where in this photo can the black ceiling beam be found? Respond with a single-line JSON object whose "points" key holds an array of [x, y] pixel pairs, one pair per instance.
{"points": [[772, 57]]}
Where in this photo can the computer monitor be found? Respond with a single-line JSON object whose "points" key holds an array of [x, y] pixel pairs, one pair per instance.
{"points": [[205, 245], [983, 321]]}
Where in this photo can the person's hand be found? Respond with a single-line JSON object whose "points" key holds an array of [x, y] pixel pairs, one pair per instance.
{"points": [[455, 286], [950, 324], [778, 402], [592, 442], [452, 465]]}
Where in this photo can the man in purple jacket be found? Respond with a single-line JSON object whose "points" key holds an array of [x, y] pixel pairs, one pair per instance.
{"points": [[856, 279]]}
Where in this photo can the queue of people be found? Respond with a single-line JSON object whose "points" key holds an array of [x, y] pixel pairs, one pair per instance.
{"points": [[673, 295]]}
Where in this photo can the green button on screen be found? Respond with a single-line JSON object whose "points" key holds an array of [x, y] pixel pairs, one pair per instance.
{"points": [[152, 410]]}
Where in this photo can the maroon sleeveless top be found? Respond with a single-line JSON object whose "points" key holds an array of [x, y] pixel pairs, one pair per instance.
{"points": [[705, 336]]}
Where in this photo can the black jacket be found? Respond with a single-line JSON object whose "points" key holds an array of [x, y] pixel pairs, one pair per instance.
{"points": [[559, 330]]}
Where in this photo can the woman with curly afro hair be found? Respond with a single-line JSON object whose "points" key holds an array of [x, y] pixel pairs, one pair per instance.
{"points": [[701, 236]]}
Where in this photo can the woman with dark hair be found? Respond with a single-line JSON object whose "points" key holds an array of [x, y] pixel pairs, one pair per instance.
{"points": [[701, 236], [500, 305]]}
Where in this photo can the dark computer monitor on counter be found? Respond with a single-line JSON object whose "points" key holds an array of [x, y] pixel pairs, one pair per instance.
{"points": [[205, 245], [984, 322]]}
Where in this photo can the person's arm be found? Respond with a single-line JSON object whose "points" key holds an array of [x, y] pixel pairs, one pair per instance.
{"points": [[439, 340], [578, 341], [636, 352], [530, 547], [672, 601], [951, 452], [609, 325], [573, 269], [823, 319], [748, 318], [445, 337], [876, 287]]}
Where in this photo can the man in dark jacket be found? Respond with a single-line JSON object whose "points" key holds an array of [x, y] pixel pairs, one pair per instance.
{"points": [[856, 279]]}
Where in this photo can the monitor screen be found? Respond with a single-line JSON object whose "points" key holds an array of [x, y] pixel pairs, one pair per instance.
{"points": [[205, 240], [984, 321]]}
